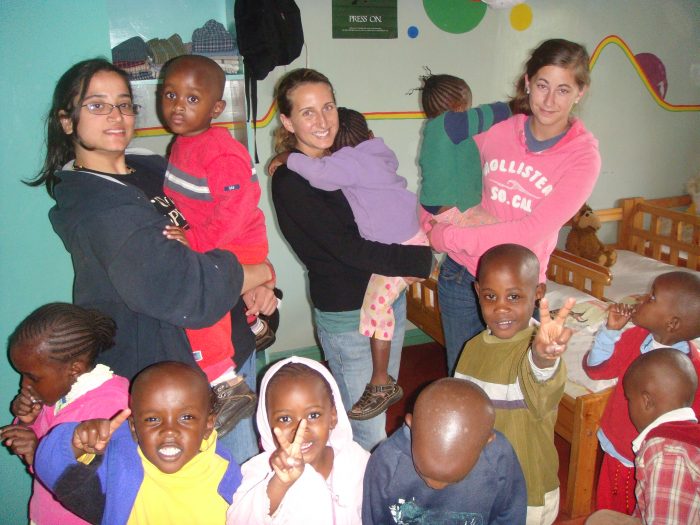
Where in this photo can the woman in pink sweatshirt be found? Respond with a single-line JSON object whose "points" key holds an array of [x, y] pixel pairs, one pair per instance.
{"points": [[539, 167]]}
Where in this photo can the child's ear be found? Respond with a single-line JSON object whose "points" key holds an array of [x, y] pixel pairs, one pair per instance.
{"points": [[78, 368], [66, 122], [408, 419], [540, 291], [476, 287], [211, 420], [647, 401], [132, 428], [334, 417], [218, 108], [673, 324]]}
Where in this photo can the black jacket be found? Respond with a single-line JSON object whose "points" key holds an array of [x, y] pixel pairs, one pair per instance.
{"points": [[320, 228], [124, 266]]}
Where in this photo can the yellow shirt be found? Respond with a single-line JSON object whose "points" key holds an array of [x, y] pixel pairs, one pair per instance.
{"points": [[189, 496]]}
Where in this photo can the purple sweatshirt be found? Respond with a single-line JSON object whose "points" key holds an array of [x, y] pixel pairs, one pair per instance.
{"points": [[384, 210]]}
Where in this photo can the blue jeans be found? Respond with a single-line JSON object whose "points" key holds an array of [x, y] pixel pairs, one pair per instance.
{"points": [[350, 361], [242, 441], [459, 309]]}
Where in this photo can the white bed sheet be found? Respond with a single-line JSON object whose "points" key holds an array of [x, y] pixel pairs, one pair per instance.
{"points": [[633, 274]]}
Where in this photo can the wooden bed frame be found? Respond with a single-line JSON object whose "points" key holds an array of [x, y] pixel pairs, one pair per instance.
{"points": [[648, 227]]}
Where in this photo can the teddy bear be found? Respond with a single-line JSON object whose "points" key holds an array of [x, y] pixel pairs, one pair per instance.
{"points": [[583, 240]]}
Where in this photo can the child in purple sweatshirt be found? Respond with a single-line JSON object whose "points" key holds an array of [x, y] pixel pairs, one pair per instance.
{"points": [[364, 169]]}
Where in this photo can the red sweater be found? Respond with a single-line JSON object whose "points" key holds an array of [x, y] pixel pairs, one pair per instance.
{"points": [[616, 421], [211, 180]]}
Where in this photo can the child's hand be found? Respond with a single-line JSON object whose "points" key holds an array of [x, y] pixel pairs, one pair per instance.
{"points": [[21, 441], [176, 233], [552, 337], [276, 162], [260, 300], [92, 436], [287, 461], [619, 314], [26, 405], [411, 280]]}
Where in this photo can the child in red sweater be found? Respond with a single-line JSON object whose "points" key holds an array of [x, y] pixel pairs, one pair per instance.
{"points": [[211, 180], [669, 316]]}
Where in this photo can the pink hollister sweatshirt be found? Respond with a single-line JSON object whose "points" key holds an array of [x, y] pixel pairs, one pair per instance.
{"points": [[531, 194]]}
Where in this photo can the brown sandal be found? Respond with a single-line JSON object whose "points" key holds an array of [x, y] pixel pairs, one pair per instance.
{"points": [[375, 400]]}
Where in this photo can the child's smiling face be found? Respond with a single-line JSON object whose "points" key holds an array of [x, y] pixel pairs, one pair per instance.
{"points": [[171, 415], [291, 399], [507, 298]]}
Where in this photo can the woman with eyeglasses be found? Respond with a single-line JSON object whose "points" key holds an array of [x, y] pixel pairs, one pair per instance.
{"points": [[111, 214]]}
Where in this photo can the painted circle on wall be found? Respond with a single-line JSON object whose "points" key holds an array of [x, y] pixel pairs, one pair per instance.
{"points": [[455, 16], [412, 32], [521, 17]]}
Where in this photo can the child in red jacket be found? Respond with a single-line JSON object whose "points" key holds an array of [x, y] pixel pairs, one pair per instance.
{"points": [[669, 316]]}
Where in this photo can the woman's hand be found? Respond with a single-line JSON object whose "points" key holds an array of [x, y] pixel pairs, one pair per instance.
{"points": [[21, 441], [92, 436], [26, 405], [176, 233], [276, 162], [619, 315], [552, 337], [260, 300]]}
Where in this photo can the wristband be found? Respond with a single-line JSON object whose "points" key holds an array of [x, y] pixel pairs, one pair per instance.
{"points": [[271, 283]]}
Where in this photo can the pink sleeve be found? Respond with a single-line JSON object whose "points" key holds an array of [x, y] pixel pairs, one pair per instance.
{"points": [[236, 198], [566, 198]]}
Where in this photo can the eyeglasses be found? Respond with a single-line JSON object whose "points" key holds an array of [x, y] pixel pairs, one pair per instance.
{"points": [[103, 108]]}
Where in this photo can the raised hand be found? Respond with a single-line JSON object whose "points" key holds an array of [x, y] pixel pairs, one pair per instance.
{"points": [[552, 336], [619, 315], [21, 441], [92, 436], [26, 405], [287, 461]]}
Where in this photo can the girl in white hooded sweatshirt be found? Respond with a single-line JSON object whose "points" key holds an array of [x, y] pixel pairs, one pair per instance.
{"points": [[311, 470]]}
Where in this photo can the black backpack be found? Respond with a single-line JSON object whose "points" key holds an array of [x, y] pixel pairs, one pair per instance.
{"points": [[269, 34]]}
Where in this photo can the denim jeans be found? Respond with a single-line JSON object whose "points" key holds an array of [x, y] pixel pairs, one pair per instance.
{"points": [[350, 360], [459, 309], [242, 441]]}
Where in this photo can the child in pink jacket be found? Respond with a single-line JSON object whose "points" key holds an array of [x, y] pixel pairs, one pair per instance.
{"points": [[54, 349]]}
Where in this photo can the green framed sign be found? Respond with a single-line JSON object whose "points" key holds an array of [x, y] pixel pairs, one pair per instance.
{"points": [[364, 19]]}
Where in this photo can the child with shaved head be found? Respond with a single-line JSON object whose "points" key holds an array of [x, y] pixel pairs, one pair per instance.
{"points": [[446, 464], [163, 467], [211, 180], [668, 316], [660, 387], [519, 367]]}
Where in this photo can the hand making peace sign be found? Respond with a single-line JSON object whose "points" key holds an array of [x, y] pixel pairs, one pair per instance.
{"points": [[552, 337]]}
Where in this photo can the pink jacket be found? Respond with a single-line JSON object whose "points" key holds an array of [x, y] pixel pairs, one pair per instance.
{"points": [[312, 500], [531, 194], [103, 401]]}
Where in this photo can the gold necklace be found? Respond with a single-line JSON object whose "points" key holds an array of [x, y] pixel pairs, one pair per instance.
{"points": [[80, 167]]}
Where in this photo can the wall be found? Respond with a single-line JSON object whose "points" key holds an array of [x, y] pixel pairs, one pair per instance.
{"points": [[38, 42], [646, 150]]}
